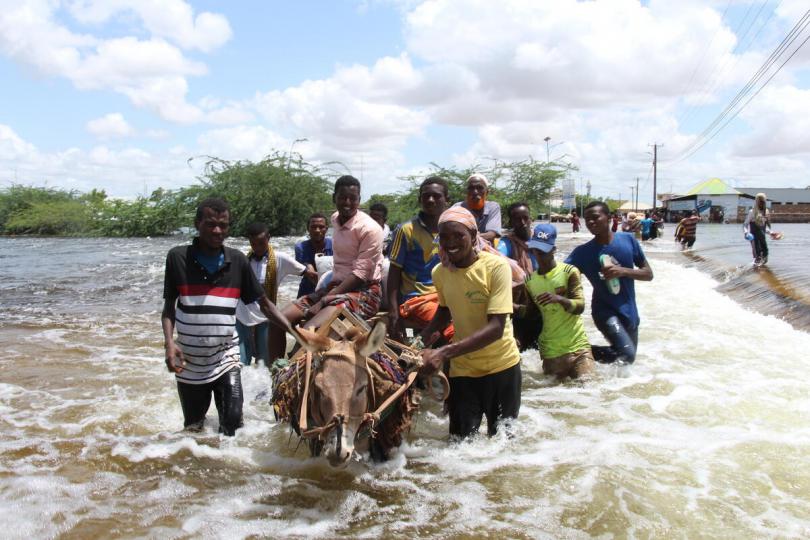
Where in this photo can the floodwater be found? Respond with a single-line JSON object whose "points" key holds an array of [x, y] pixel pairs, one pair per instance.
{"points": [[706, 436]]}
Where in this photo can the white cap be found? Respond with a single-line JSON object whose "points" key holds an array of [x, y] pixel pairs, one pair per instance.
{"points": [[480, 177]]}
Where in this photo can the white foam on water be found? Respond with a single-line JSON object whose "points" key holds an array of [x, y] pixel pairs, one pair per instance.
{"points": [[706, 435]]}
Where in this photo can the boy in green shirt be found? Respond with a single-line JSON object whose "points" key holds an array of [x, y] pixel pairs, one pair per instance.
{"points": [[556, 291]]}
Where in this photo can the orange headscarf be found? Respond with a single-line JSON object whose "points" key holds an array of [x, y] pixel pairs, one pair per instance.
{"points": [[461, 215]]}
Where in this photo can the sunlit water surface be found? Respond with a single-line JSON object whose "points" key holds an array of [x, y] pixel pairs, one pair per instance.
{"points": [[706, 436]]}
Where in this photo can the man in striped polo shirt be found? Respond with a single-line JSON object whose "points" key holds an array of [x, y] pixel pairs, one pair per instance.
{"points": [[686, 231], [203, 283]]}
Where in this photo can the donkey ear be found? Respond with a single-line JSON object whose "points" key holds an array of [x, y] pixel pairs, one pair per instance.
{"points": [[374, 341], [311, 341]]}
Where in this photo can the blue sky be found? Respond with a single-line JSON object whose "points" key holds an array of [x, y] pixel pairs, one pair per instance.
{"points": [[119, 94]]}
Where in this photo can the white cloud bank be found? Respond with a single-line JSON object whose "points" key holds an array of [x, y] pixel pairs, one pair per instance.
{"points": [[151, 72], [602, 78], [124, 172], [110, 126]]}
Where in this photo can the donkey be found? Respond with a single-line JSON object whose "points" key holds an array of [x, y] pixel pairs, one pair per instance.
{"points": [[341, 393]]}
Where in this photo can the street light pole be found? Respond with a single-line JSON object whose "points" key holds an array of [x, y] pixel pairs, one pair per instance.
{"points": [[588, 186], [548, 153]]}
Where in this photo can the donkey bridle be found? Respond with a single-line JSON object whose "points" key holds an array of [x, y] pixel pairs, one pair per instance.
{"points": [[337, 421]]}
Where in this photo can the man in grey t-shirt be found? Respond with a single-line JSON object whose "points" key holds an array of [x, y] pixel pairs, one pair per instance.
{"points": [[487, 213]]}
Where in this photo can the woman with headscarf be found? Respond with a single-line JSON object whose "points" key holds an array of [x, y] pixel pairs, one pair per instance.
{"points": [[757, 222], [475, 290]]}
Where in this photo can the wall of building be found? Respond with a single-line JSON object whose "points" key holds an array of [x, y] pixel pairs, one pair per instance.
{"points": [[728, 203], [780, 212], [790, 213]]}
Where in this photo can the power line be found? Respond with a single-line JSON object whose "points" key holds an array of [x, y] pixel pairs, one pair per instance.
{"points": [[705, 136], [706, 50], [755, 94], [786, 42], [692, 108], [720, 74]]}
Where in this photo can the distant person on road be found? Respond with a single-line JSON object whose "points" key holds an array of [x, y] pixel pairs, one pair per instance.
{"points": [[757, 224], [307, 251], [574, 221], [657, 226], [614, 313], [203, 283], [556, 292], [257, 339], [632, 225], [616, 221], [647, 225], [686, 230], [487, 213]]}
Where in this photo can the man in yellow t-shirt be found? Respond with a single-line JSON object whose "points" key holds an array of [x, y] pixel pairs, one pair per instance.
{"points": [[475, 290]]}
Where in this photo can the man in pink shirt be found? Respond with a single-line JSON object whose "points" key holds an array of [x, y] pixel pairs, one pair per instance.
{"points": [[357, 242]]}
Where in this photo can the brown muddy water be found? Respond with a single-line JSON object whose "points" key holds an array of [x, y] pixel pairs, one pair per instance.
{"points": [[706, 436]]}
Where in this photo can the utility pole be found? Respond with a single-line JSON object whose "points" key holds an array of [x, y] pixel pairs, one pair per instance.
{"points": [[588, 186], [581, 198], [548, 206], [632, 199], [655, 173], [636, 201]]}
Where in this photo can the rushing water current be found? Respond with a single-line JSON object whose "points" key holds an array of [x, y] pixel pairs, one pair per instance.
{"points": [[706, 436]]}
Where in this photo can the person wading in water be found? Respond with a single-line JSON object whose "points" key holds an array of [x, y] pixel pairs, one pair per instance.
{"points": [[757, 224], [412, 297], [615, 313], [527, 325], [203, 283], [556, 291], [475, 290]]}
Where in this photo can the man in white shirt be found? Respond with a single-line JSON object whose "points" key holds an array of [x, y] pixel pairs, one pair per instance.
{"points": [[256, 337]]}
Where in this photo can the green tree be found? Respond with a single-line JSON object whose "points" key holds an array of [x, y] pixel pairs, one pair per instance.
{"points": [[279, 191], [66, 217], [532, 182]]}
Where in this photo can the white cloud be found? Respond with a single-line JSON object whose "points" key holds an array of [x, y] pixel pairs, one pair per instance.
{"points": [[780, 123], [240, 142], [566, 53], [122, 173], [110, 126], [170, 19], [607, 78], [152, 72], [339, 117], [12, 147]]}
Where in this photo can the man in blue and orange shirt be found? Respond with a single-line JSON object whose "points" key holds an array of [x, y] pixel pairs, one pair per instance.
{"points": [[412, 298]]}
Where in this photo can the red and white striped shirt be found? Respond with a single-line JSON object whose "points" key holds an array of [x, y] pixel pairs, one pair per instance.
{"points": [[205, 317]]}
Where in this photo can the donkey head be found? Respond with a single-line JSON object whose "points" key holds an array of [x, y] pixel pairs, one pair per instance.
{"points": [[340, 394]]}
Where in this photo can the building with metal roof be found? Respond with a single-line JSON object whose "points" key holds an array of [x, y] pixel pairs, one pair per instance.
{"points": [[788, 205], [714, 199]]}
